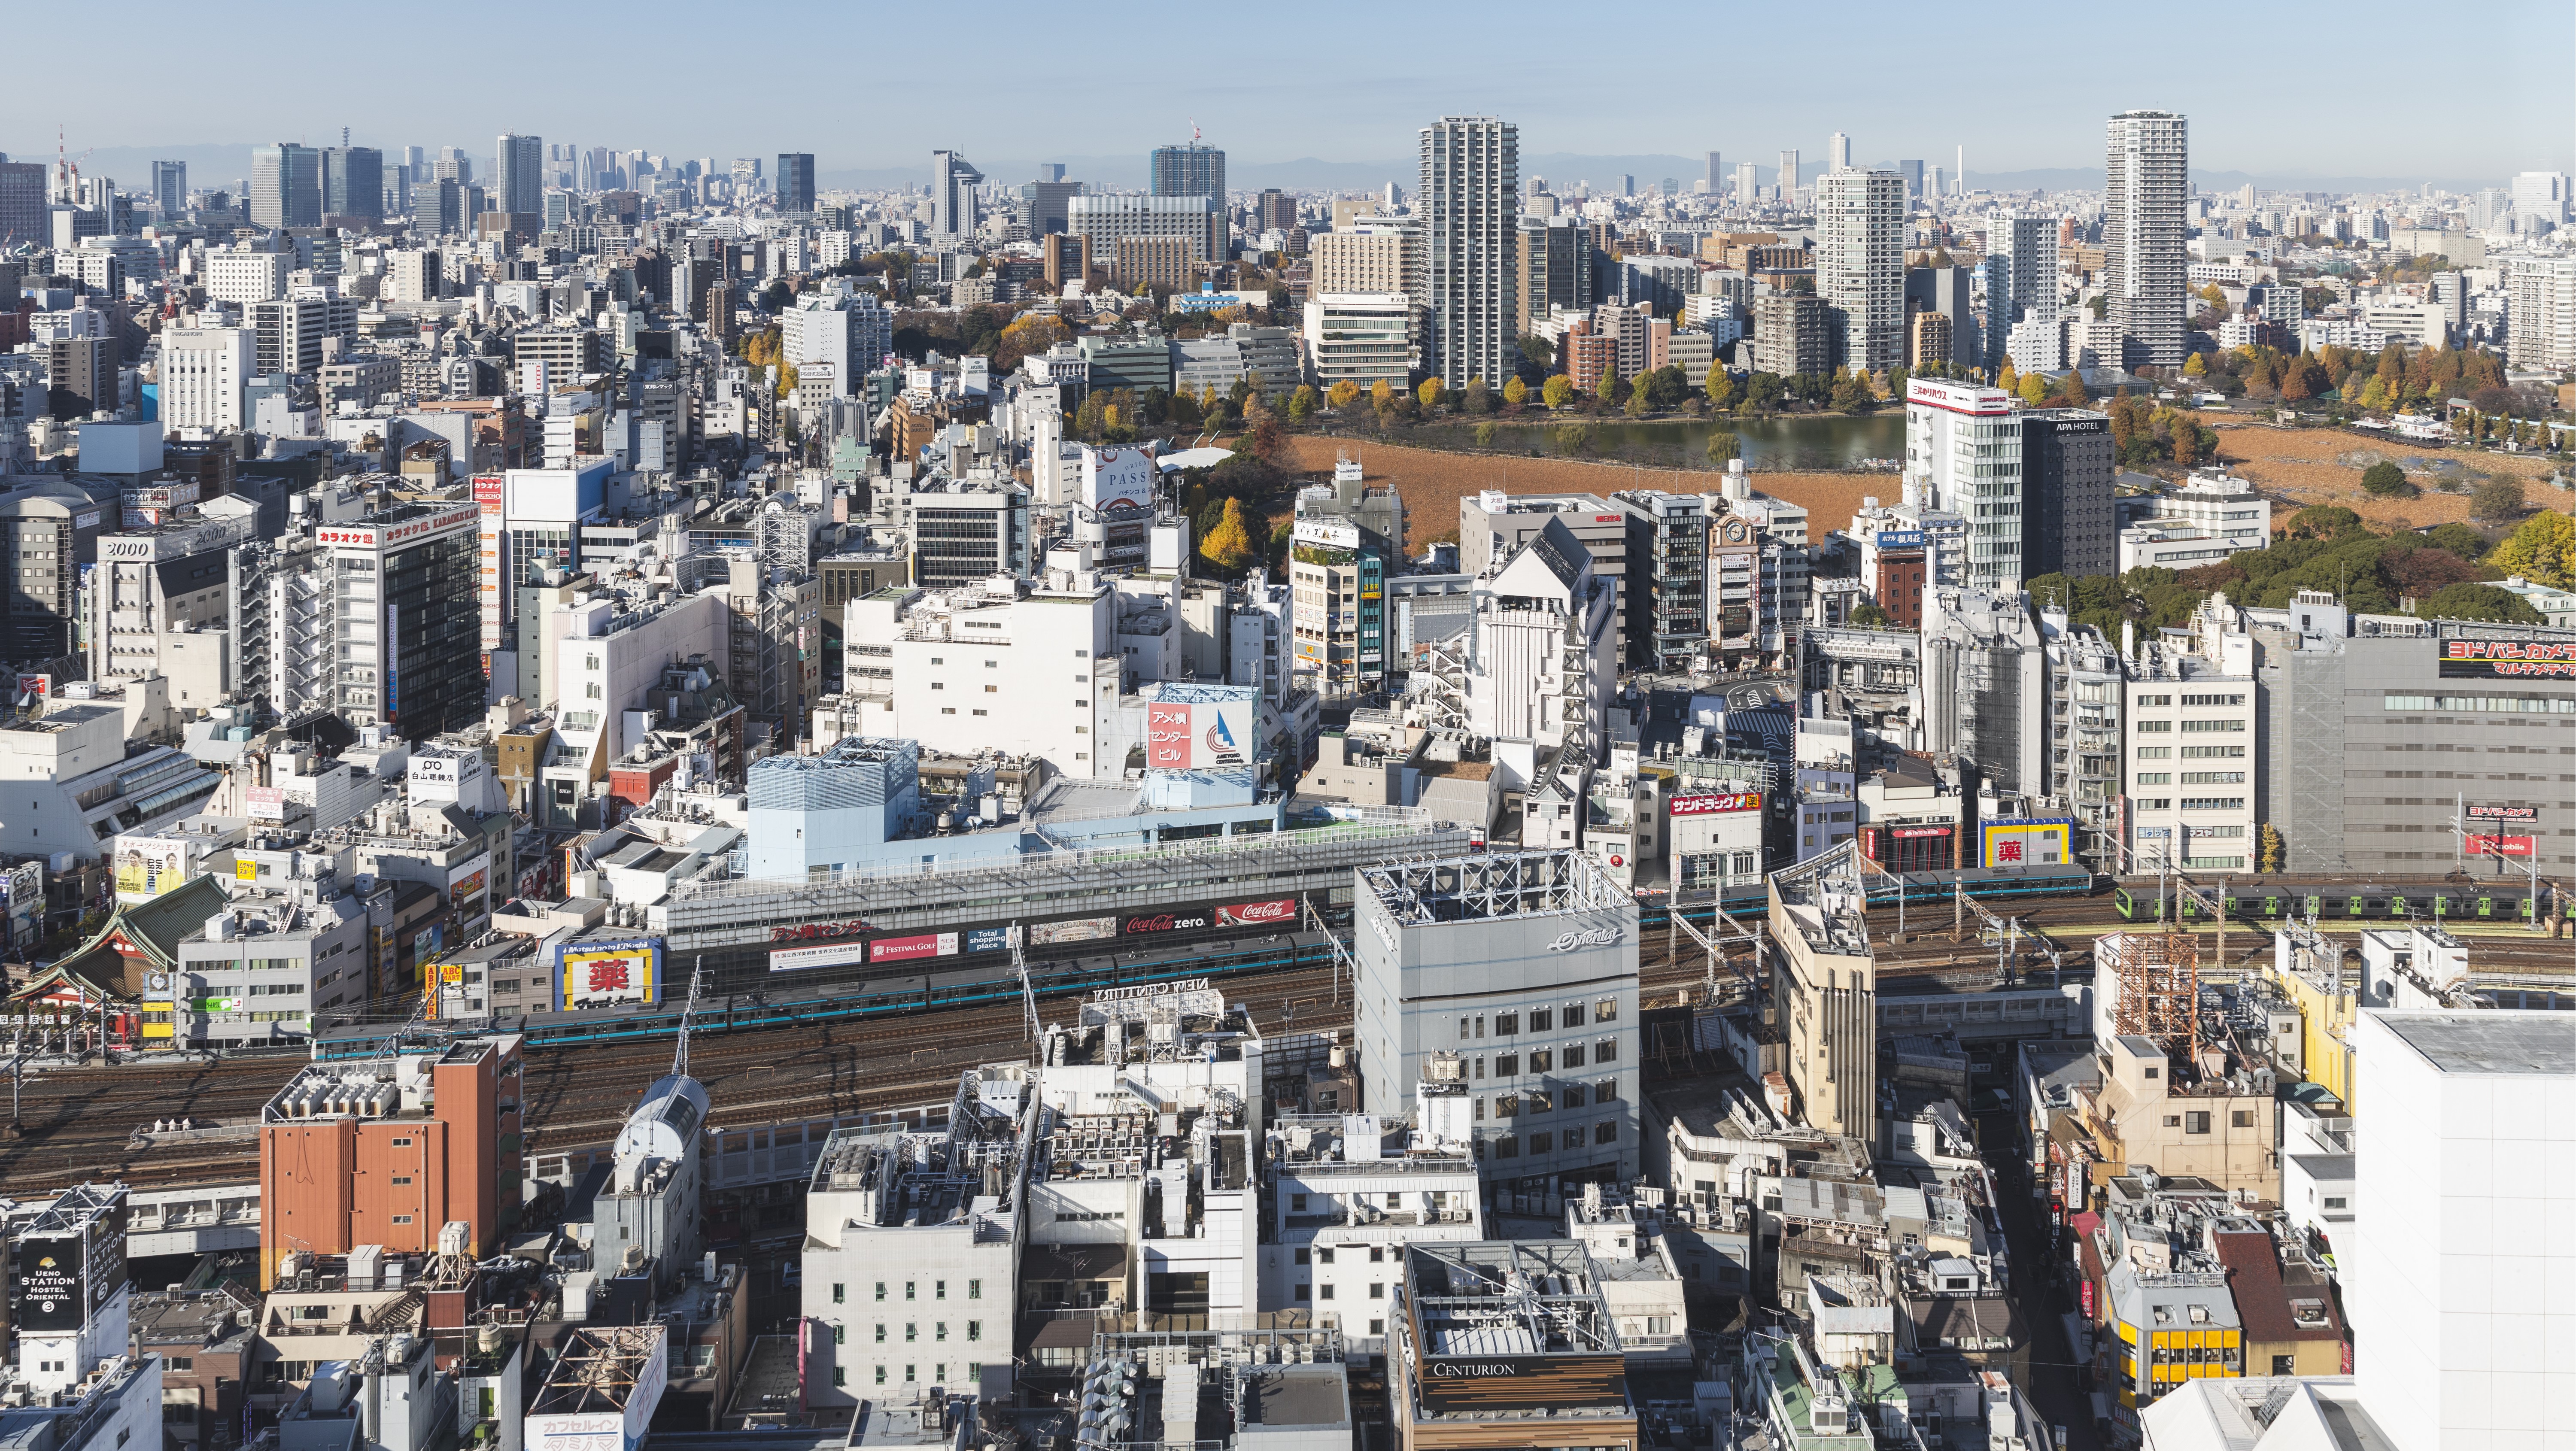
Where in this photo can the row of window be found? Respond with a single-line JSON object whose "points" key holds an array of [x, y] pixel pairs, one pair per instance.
{"points": [[912, 1331], [1547, 1060], [1604, 1010], [912, 1374], [2502, 704], [912, 1290]]}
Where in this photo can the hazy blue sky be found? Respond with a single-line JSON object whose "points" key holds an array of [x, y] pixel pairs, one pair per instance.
{"points": [[2367, 89]]}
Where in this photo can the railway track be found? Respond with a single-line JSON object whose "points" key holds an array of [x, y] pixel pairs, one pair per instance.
{"points": [[78, 1123]]}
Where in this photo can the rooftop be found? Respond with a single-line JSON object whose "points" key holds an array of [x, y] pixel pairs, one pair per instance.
{"points": [[598, 1370], [2488, 1042], [1494, 886]]}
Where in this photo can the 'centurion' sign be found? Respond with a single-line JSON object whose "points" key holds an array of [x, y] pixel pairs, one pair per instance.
{"points": [[1469, 1384]]}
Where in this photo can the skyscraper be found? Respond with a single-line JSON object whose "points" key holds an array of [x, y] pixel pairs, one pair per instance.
{"points": [[285, 186], [1912, 171], [1748, 186], [2147, 185], [353, 181], [1838, 153], [1195, 170], [170, 187], [952, 195], [519, 174], [1789, 177], [1860, 265], [1716, 175], [796, 181], [1470, 209], [2021, 292]]}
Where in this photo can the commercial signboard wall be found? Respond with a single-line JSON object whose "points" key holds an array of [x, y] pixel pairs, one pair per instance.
{"points": [[594, 973], [2493, 846], [1198, 735], [64, 1279], [2475, 658], [2027, 841], [1717, 804], [1062, 936], [147, 866], [1468, 1385]]}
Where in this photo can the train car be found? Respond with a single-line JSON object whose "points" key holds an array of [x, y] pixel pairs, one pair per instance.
{"points": [[2334, 899]]}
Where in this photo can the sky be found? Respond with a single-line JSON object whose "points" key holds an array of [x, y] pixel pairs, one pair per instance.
{"points": [[2301, 90]]}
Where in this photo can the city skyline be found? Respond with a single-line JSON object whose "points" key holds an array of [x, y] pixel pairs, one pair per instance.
{"points": [[1363, 107]]}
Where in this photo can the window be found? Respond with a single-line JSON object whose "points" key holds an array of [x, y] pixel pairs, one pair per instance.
{"points": [[1303, 1256], [2213, 700], [1327, 1292], [911, 1332], [911, 1289], [1605, 1050], [2196, 1122], [880, 1332], [939, 1289], [1297, 1205], [1606, 1131], [1542, 1060], [1573, 1094], [1508, 1147], [1605, 1010], [402, 1219], [974, 1329], [939, 1331], [1573, 1015], [1573, 1055], [1540, 1141], [2211, 727], [1507, 1065], [1377, 1252], [2242, 1118], [1506, 1024], [2334, 1201], [974, 1289], [2285, 1365], [840, 1376], [1377, 1327], [1324, 1254], [1507, 1105], [839, 1336], [2155, 778], [1605, 1090], [1377, 1289], [2173, 1120], [2162, 753], [1305, 1293], [881, 1376], [402, 1178], [2153, 726], [1539, 1020], [911, 1372]]}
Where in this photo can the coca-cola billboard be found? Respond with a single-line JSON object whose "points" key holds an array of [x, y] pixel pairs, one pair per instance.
{"points": [[1151, 922], [1278, 911]]}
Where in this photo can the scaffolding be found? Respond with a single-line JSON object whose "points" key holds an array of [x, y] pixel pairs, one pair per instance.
{"points": [[2159, 991]]}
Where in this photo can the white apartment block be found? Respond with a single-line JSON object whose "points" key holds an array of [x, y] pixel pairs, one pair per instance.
{"points": [[1860, 265], [2023, 250], [1360, 338], [2147, 191], [246, 277], [2194, 752], [204, 371], [1352, 1190], [2542, 331], [1366, 259], [413, 276], [1003, 666], [1963, 443]]}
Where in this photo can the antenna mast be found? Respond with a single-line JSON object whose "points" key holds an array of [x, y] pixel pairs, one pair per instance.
{"points": [[688, 1010]]}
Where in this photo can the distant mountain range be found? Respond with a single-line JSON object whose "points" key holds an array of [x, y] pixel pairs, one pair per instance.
{"points": [[222, 165]]}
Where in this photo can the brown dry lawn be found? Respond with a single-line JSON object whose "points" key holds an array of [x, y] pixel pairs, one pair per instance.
{"points": [[2299, 467], [1432, 482]]}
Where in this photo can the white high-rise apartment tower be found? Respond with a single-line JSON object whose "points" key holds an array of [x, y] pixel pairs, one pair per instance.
{"points": [[1860, 265], [1470, 210], [1963, 447], [1838, 153], [2021, 266], [1748, 188], [2147, 188], [1788, 178], [2543, 312]]}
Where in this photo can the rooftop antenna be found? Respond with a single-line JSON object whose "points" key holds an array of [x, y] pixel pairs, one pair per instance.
{"points": [[1194, 131], [680, 1055]]}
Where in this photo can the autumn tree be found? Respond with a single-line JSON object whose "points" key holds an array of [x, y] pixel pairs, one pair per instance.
{"points": [[2542, 550], [1607, 389], [1229, 545], [1721, 389], [1429, 393], [1558, 392], [1342, 394], [1515, 392], [1301, 404], [1724, 445], [1381, 393], [2033, 389]]}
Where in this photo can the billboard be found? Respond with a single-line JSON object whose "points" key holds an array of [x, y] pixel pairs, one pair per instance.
{"points": [[265, 803], [2499, 846], [2485, 659], [1277, 912], [1072, 929], [1118, 481], [2027, 841], [597, 973], [147, 866], [1900, 538], [1712, 804], [1147, 923], [1201, 735], [802, 959], [1483, 1384], [64, 1280], [2504, 813], [904, 949], [1326, 533]]}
